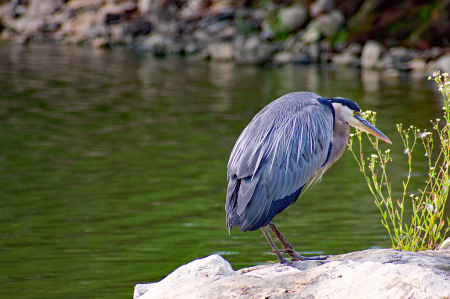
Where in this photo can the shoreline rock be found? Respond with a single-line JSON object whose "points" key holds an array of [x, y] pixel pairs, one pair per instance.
{"points": [[374, 273], [269, 33]]}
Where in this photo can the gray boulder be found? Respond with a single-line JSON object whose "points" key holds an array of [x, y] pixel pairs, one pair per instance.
{"points": [[158, 43], [386, 62], [33, 19], [312, 33], [417, 64], [252, 50], [346, 58], [292, 17], [221, 51], [371, 53], [83, 26], [321, 6], [354, 48], [442, 64], [330, 23], [144, 6], [37, 8], [327, 25], [375, 273]]}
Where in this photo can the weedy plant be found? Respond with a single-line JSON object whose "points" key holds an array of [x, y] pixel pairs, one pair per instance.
{"points": [[427, 227]]}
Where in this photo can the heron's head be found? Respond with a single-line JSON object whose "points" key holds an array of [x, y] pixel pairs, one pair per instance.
{"points": [[349, 112]]}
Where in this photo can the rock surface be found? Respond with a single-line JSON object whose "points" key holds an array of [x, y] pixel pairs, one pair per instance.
{"points": [[292, 17], [375, 273], [371, 53]]}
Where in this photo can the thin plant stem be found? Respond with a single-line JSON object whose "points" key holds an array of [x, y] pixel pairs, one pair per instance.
{"points": [[427, 227]]}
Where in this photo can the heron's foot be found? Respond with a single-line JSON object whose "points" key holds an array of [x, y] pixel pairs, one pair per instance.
{"points": [[314, 258], [297, 257], [281, 259]]}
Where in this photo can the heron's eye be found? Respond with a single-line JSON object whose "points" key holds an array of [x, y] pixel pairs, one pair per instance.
{"points": [[355, 113]]}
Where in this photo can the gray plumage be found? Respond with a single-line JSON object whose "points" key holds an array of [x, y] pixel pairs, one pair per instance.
{"points": [[285, 149]]}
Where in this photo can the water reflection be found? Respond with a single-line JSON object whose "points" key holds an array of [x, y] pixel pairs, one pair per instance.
{"points": [[371, 80], [222, 76], [113, 165]]}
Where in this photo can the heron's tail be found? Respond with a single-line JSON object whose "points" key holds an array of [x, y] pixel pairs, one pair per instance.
{"points": [[231, 203]]}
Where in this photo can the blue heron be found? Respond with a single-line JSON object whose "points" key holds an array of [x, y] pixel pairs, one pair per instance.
{"points": [[286, 149]]}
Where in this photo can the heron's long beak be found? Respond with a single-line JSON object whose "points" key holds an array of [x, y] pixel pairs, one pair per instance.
{"points": [[367, 127]]}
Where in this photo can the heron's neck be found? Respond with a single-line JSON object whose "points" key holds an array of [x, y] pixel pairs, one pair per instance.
{"points": [[341, 133]]}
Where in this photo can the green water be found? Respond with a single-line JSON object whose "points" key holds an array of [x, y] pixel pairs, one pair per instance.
{"points": [[113, 165]]}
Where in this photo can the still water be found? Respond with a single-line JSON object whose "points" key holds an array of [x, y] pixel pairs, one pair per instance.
{"points": [[113, 165]]}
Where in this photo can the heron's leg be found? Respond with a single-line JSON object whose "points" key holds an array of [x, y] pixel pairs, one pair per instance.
{"points": [[272, 244], [288, 248]]}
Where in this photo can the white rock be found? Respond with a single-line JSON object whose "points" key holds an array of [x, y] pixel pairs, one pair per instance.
{"points": [[400, 53], [330, 23], [252, 43], [386, 62], [354, 48], [376, 273], [292, 17], [312, 33], [345, 58], [144, 6], [43, 7], [371, 53], [417, 64], [26, 25], [443, 63], [81, 24], [221, 51], [84, 5], [197, 273], [327, 25], [445, 245], [283, 57]]}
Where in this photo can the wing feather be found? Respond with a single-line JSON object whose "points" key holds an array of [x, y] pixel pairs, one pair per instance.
{"points": [[280, 151]]}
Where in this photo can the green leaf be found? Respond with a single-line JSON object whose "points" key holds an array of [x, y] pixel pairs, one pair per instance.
{"points": [[421, 228]]}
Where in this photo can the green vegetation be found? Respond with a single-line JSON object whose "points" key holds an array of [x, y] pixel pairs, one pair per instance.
{"points": [[427, 227]]}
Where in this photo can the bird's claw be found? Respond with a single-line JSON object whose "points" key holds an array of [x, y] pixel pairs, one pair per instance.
{"points": [[314, 258]]}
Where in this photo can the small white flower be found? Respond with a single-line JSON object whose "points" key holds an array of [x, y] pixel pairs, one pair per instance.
{"points": [[430, 207], [424, 134], [374, 156], [406, 151]]}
